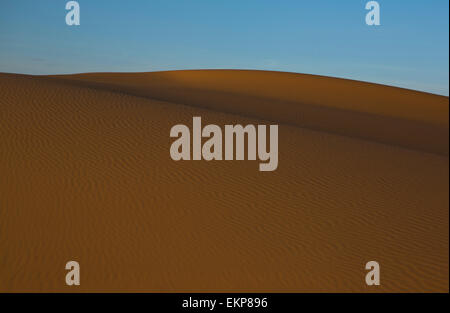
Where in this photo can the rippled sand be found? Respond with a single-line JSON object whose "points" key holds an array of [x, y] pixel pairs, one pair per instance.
{"points": [[86, 175]]}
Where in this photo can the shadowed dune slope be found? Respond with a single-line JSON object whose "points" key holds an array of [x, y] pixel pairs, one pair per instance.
{"points": [[385, 114], [86, 175]]}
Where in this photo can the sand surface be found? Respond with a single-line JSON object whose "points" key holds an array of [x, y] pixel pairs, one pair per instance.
{"points": [[86, 175]]}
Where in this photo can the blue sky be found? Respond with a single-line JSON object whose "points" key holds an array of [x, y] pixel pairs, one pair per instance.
{"points": [[326, 37]]}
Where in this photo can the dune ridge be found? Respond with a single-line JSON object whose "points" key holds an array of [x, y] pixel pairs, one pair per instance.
{"points": [[381, 113], [86, 175]]}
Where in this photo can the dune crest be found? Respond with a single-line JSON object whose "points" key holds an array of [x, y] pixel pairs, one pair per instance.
{"points": [[391, 115]]}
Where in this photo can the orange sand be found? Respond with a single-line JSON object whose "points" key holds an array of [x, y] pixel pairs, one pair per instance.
{"points": [[86, 175]]}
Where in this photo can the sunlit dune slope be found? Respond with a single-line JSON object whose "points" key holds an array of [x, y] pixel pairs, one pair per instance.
{"points": [[386, 114], [86, 175]]}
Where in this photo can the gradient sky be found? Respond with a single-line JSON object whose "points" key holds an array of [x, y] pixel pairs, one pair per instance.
{"points": [[327, 37]]}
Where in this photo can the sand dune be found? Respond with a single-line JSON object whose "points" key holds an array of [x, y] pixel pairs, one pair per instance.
{"points": [[86, 175], [369, 111]]}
